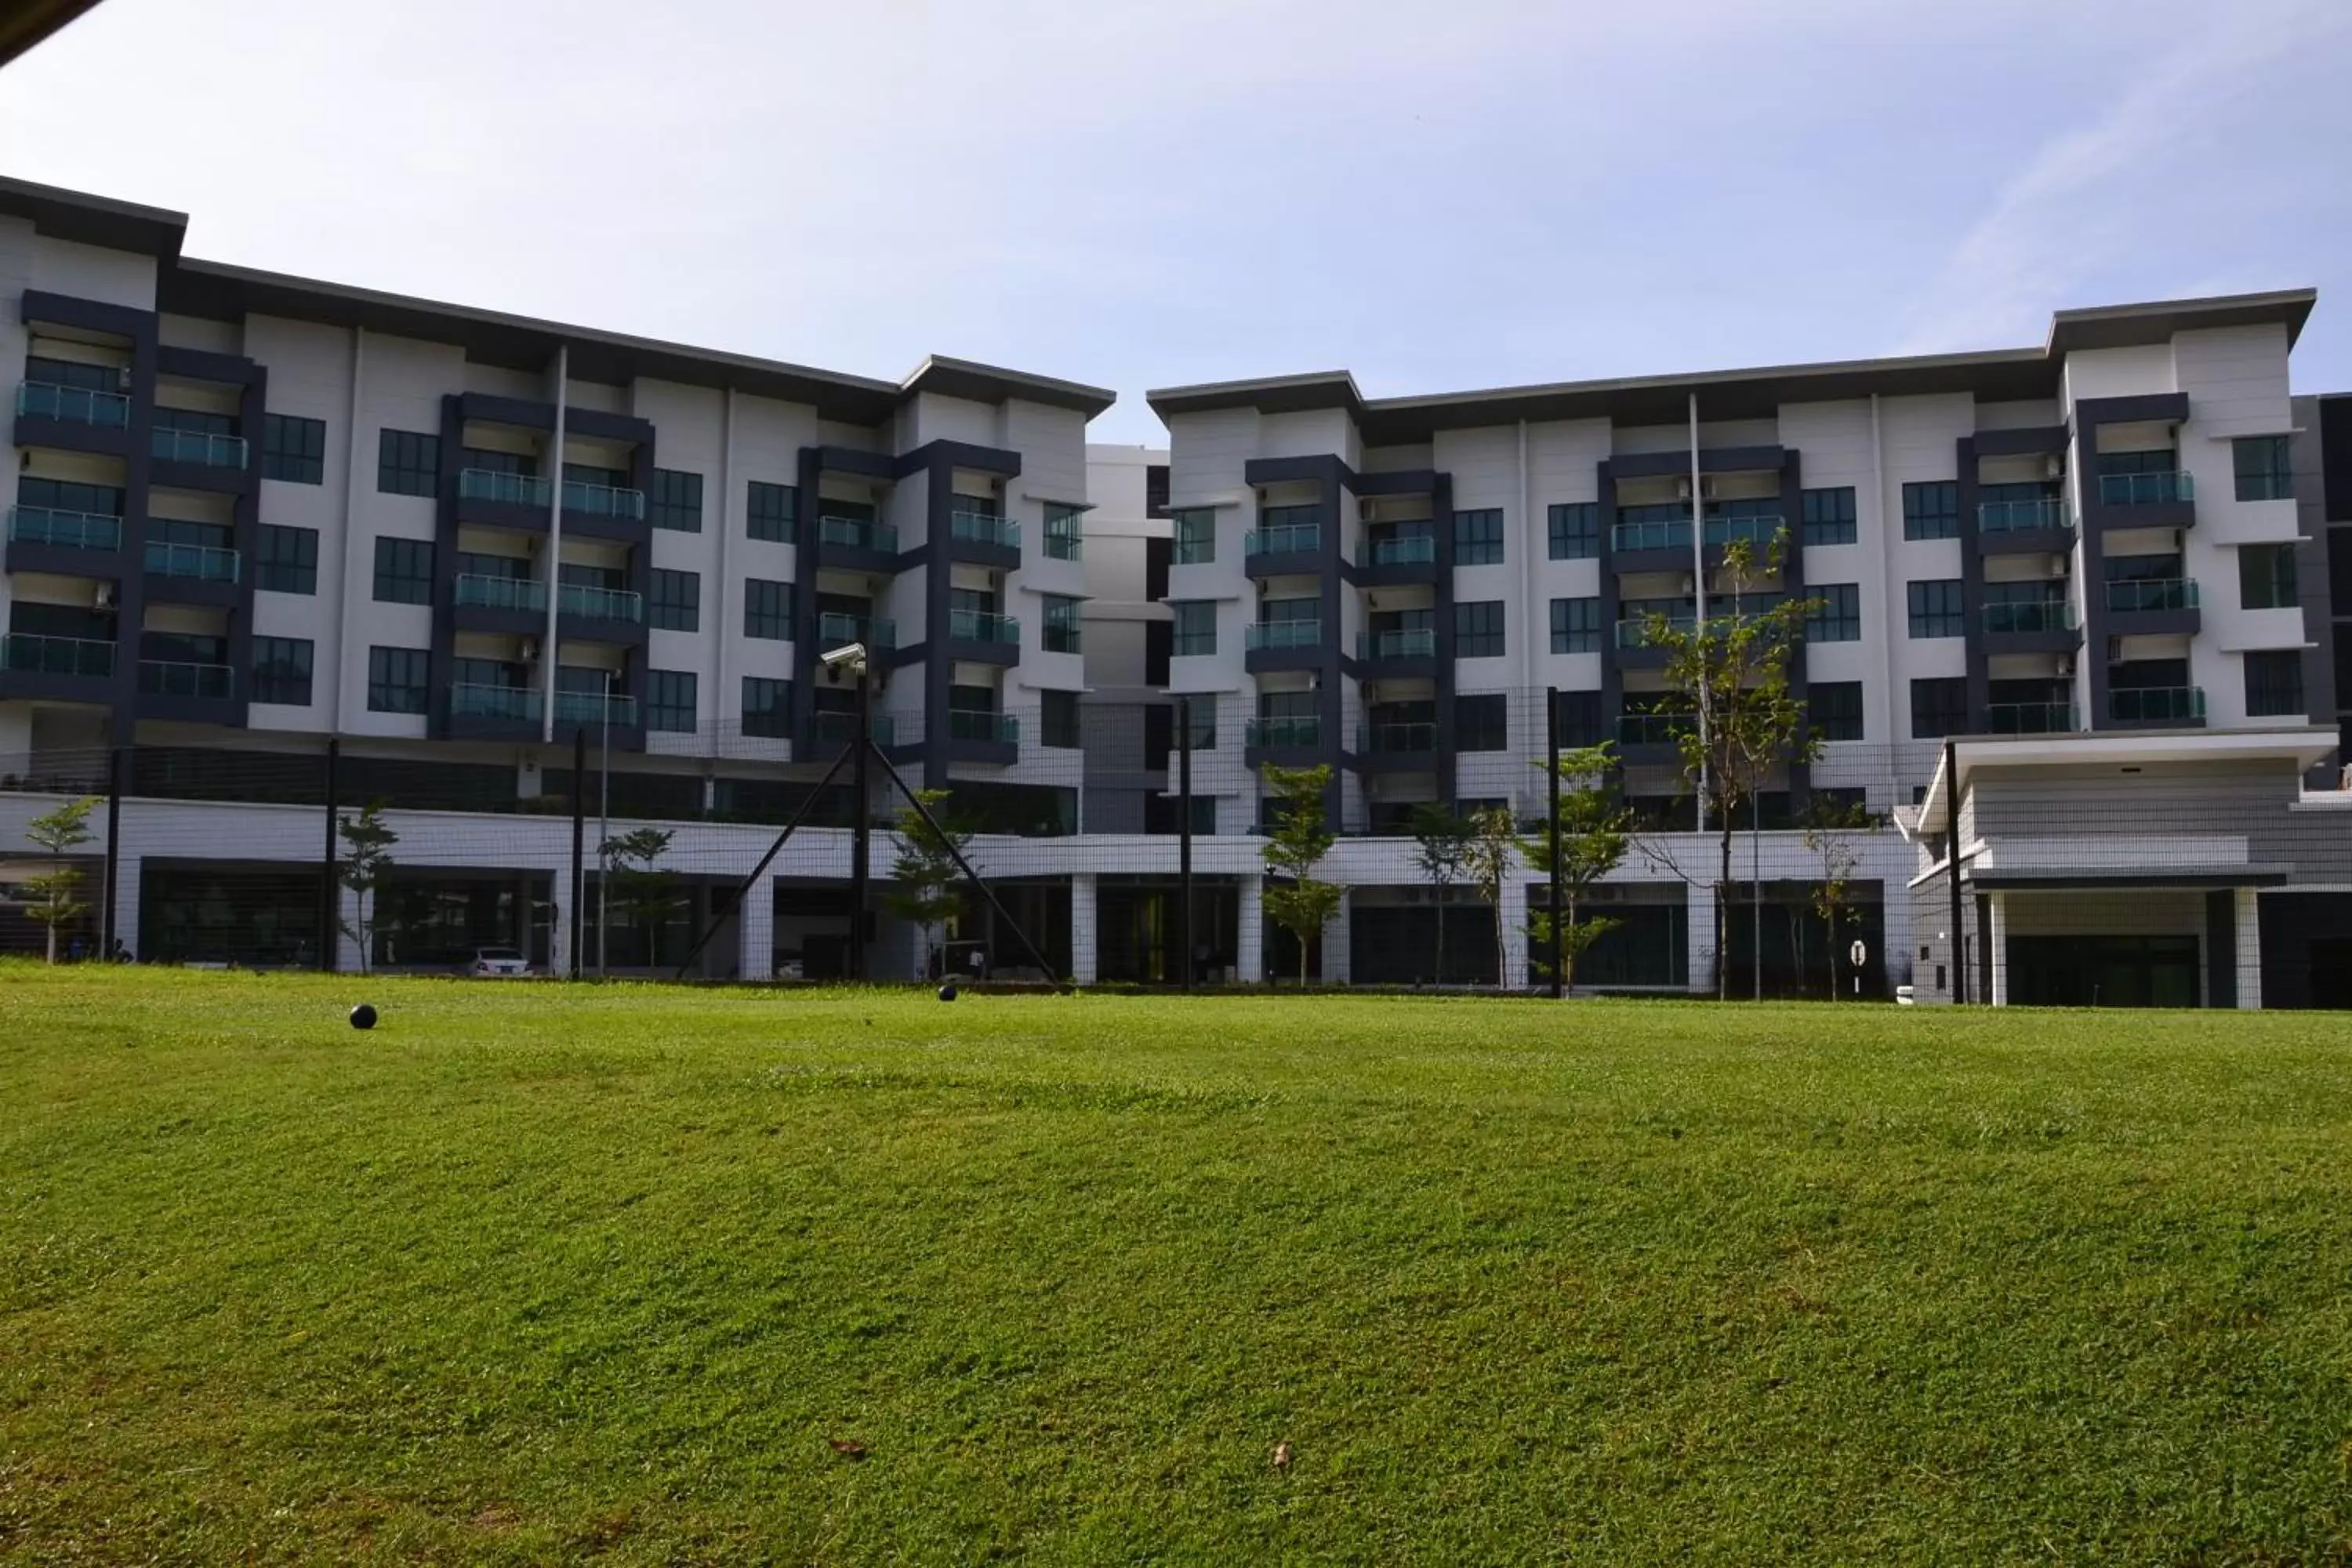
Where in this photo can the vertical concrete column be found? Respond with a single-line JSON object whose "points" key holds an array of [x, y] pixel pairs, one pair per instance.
{"points": [[755, 932], [2250, 947], [1997, 935], [1085, 941], [126, 890], [1699, 938], [1249, 932], [1337, 941], [558, 921], [1512, 912], [348, 953]]}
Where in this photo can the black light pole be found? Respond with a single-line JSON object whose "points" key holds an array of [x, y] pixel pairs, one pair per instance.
{"points": [[1952, 868], [861, 835], [578, 832], [327, 900], [1184, 830], [114, 850], [1552, 765]]}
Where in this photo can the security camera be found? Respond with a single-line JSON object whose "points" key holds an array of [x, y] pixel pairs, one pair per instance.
{"points": [[849, 656]]}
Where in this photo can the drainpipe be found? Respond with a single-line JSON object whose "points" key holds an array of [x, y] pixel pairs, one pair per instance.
{"points": [[554, 552]]}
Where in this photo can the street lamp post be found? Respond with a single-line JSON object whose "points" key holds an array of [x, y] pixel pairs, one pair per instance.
{"points": [[605, 835]]}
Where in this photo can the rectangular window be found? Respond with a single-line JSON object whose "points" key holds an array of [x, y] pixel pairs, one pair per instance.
{"points": [[1939, 707], [408, 463], [1575, 531], [293, 449], [1834, 709], [770, 512], [767, 609], [286, 560], [1065, 531], [767, 707], [2274, 684], [2266, 577], [1478, 629], [2264, 473], [1935, 609], [1579, 718], [1478, 537], [675, 603], [281, 671], [1196, 535], [1576, 625], [670, 701], [1829, 515], [404, 571], [1932, 509], [398, 679], [1838, 617], [676, 502], [1482, 723], [1057, 720], [1196, 627], [1061, 630]]}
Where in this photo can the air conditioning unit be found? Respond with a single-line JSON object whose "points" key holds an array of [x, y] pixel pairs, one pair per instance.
{"points": [[1367, 510], [1706, 489], [2054, 467], [2065, 665], [2061, 564], [528, 648], [1690, 584], [1682, 489], [122, 377], [103, 598]]}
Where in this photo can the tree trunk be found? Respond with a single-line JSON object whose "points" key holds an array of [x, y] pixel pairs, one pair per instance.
{"points": [[1441, 936], [53, 942], [1563, 944]]}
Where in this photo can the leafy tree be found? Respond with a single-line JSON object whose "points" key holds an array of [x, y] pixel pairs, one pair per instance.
{"points": [[50, 896], [1492, 838], [1294, 899], [1595, 831], [1830, 829], [1442, 850], [1735, 675], [641, 896], [926, 881], [366, 862]]}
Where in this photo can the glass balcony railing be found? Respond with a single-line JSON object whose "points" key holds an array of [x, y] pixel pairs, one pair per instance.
{"points": [[1652, 729], [979, 626], [1758, 530], [971, 724], [1261, 635], [1401, 549], [857, 534], [836, 630], [2022, 515], [200, 447], [505, 489], [1284, 539], [71, 530], [599, 604], [2030, 616], [199, 561], [618, 709], [485, 591], [2137, 594], [1636, 633], [981, 528], [2029, 718], [473, 701], [1393, 740], [2145, 489], [2155, 704], [1669, 534], [35, 654], [830, 725], [169, 677], [602, 501], [73, 405], [1417, 642], [1306, 732]]}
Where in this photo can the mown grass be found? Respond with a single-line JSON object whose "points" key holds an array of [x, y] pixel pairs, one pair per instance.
{"points": [[540, 1274]]}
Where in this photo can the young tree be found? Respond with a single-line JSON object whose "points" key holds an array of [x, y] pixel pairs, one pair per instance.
{"points": [[643, 898], [1595, 831], [1491, 831], [50, 896], [1830, 829], [926, 881], [366, 862], [1442, 850], [1294, 899], [1735, 675]]}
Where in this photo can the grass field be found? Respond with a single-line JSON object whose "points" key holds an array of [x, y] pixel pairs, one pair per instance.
{"points": [[535, 1273]]}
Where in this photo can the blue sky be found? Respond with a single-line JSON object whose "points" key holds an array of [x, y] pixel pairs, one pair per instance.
{"points": [[1437, 198]]}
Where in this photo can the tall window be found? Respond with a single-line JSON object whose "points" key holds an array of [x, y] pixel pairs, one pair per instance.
{"points": [[408, 463], [1939, 707], [2266, 577], [1932, 509], [1478, 537], [281, 670], [676, 502], [770, 512], [2274, 684], [404, 571], [670, 701], [1478, 629], [1061, 630], [1196, 627], [398, 679], [1065, 531], [1196, 535], [1833, 709], [675, 603], [286, 560], [1935, 609], [2264, 467], [767, 707], [1057, 720], [767, 609], [1575, 531], [294, 449], [1838, 617], [1829, 515], [1576, 625], [1482, 723]]}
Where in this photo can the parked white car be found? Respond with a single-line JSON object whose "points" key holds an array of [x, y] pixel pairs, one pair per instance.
{"points": [[499, 963]]}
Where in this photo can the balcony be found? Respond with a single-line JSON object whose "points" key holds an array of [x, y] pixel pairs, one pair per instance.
{"points": [[1283, 549], [1415, 642], [858, 542], [204, 693], [523, 595], [2157, 705], [500, 488], [981, 626], [1297, 735], [1261, 636], [1401, 550], [593, 604], [2029, 718], [72, 418], [1759, 530], [71, 544], [2033, 621], [2046, 515], [836, 630], [833, 728], [516, 704], [1653, 737], [984, 528], [2158, 489], [1634, 633], [596, 709], [602, 501], [1673, 533], [202, 563], [1394, 740], [974, 724], [2153, 606], [62, 668], [197, 449]]}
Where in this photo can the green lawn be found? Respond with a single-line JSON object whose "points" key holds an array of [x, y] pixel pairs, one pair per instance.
{"points": [[537, 1273]]}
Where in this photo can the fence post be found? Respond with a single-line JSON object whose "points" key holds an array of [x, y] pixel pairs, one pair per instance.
{"points": [[1184, 831], [330, 933], [114, 848], [579, 828], [861, 823]]}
